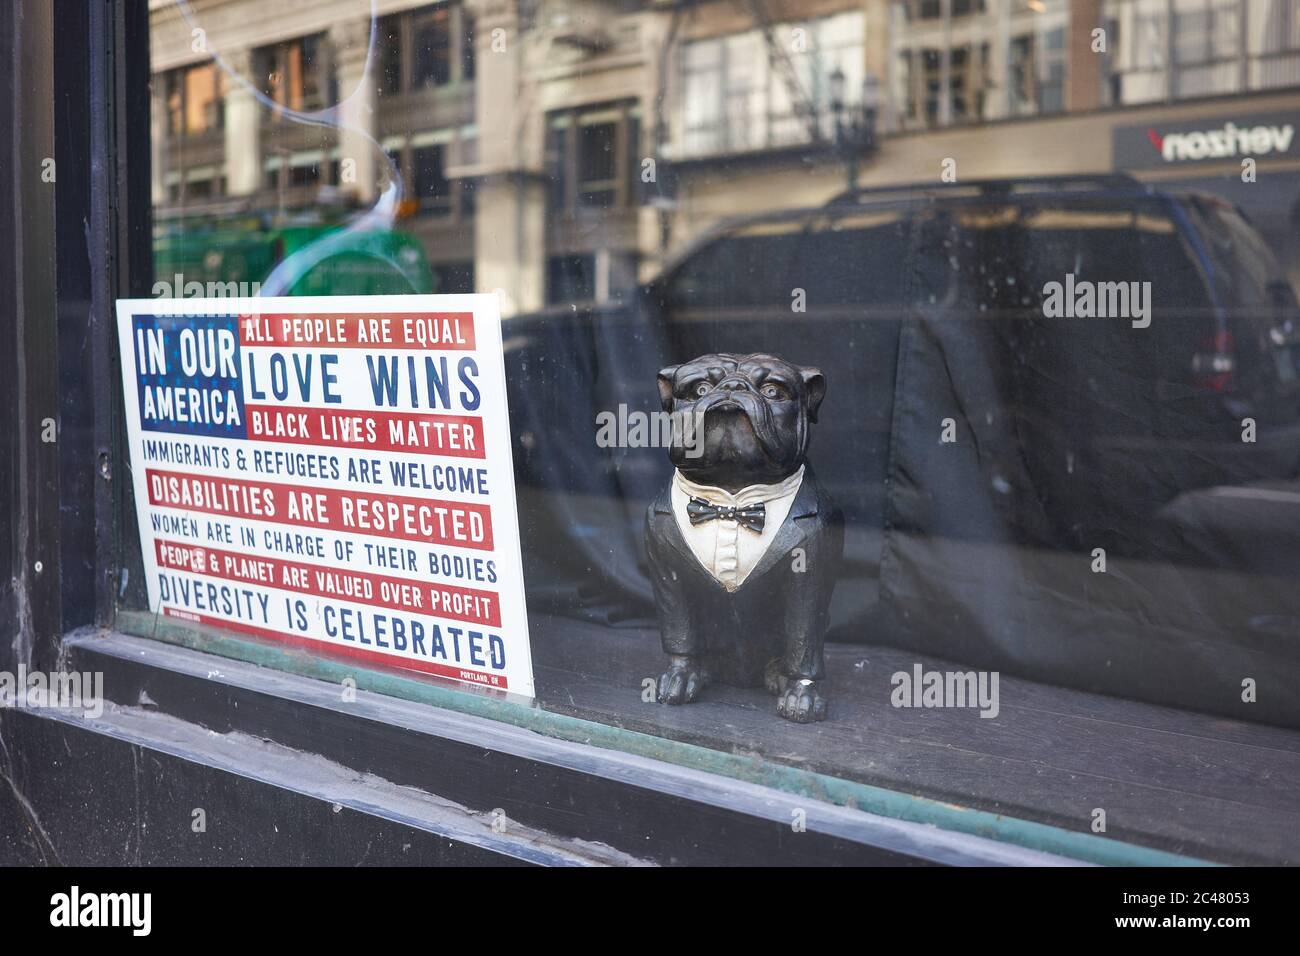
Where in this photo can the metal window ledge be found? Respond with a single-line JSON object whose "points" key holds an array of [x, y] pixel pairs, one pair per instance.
{"points": [[487, 790]]}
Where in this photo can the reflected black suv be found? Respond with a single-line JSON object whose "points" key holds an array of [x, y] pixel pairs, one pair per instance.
{"points": [[1062, 422], [1204, 352]]}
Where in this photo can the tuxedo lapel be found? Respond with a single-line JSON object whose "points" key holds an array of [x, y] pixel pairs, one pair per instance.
{"points": [[793, 530]]}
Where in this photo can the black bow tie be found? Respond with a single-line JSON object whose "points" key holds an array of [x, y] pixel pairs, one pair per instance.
{"points": [[747, 516]]}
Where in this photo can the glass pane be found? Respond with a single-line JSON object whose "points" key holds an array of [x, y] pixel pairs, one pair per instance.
{"points": [[1020, 274]]}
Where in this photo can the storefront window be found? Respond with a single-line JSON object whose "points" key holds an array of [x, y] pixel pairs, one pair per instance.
{"points": [[1024, 370]]}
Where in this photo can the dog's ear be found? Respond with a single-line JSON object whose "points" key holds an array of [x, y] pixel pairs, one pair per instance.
{"points": [[814, 382], [666, 378]]}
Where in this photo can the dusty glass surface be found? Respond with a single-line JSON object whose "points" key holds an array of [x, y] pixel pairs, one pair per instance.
{"points": [[1043, 252]]}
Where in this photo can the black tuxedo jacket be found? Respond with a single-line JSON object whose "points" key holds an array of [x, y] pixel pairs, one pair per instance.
{"points": [[780, 611]]}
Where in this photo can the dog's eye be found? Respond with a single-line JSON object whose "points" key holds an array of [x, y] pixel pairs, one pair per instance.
{"points": [[703, 388], [771, 390]]}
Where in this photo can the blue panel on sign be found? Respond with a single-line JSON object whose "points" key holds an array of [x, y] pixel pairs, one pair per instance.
{"points": [[188, 374]]}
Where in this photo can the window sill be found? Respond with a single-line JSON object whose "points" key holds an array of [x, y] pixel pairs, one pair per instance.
{"points": [[625, 788]]}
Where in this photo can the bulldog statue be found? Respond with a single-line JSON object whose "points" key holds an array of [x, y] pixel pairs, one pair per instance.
{"points": [[744, 545]]}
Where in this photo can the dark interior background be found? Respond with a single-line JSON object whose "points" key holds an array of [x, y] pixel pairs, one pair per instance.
{"points": [[1072, 434]]}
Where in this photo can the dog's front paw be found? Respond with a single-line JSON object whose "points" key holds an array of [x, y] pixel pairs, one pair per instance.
{"points": [[801, 701], [682, 682]]}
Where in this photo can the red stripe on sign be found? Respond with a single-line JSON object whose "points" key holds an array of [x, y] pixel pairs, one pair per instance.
{"points": [[451, 436], [471, 605], [429, 331], [430, 520], [496, 681]]}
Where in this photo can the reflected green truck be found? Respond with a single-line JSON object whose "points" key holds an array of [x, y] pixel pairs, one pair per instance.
{"points": [[237, 257]]}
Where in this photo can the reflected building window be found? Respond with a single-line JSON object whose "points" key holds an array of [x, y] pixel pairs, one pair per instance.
{"points": [[970, 82], [453, 277], [195, 97], [1036, 71], [597, 163], [1137, 62], [193, 119], [1206, 37], [425, 48], [431, 48], [741, 93], [1162, 50], [429, 180], [297, 74], [1273, 43], [388, 40], [304, 174], [467, 57], [1169, 50], [591, 157], [592, 165], [917, 10], [968, 61], [571, 279], [427, 163]]}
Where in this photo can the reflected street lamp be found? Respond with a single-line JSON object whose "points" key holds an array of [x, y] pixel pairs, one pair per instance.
{"points": [[855, 128]]}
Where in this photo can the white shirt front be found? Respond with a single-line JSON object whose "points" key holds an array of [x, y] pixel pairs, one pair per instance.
{"points": [[728, 550]]}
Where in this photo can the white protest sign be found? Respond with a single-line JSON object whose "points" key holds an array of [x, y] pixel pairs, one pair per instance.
{"points": [[332, 473]]}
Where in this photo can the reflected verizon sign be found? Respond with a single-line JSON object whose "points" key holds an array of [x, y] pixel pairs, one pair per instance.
{"points": [[1168, 144]]}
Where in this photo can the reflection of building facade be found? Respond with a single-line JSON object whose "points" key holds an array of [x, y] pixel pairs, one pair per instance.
{"points": [[561, 150]]}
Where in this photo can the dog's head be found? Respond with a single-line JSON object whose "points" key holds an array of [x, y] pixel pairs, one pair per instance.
{"points": [[754, 411]]}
